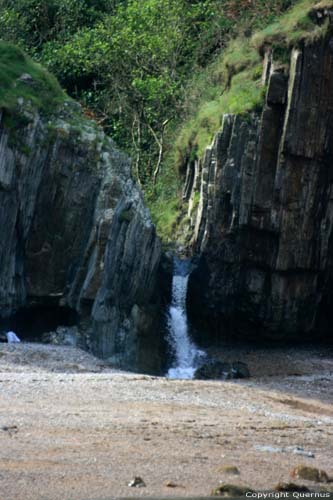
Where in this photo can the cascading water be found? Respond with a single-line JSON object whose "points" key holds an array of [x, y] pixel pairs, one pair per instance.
{"points": [[187, 355]]}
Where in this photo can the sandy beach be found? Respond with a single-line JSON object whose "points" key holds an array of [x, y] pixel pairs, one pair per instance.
{"points": [[72, 428]]}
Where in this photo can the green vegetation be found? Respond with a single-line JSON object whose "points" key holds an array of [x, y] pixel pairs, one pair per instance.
{"points": [[165, 212], [129, 61], [158, 75], [126, 216], [292, 28], [210, 97], [233, 84], [34, 23], [42, 89], [246, 93], [238, 72]]}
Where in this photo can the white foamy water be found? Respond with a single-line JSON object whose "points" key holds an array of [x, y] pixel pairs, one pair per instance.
{"points": [[185, 351]]}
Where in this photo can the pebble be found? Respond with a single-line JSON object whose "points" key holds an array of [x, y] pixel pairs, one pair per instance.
{"points": [[11, 429], [170, 484], [137, 482], [230, 490], [291, 487], [309, 474], [232, 470]]}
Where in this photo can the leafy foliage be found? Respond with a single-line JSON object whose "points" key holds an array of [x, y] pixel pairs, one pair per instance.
{"points": [[32, 23], [157, 74], [129, 61], [130, 68]]}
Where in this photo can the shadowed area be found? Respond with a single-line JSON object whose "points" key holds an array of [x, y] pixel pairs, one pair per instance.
{"points": [[30, 323]]}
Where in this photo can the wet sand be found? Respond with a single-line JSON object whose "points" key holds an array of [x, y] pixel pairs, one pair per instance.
{"points": [[71, 428]]}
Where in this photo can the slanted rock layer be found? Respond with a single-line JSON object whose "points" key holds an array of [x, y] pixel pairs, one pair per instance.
{"points": [[263, 227], [75, 232]]}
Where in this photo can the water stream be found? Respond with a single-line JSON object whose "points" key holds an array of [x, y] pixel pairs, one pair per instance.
{"points": [[187, 356]]}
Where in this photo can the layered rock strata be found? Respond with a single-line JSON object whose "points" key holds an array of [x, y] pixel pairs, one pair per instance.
{"points": [[75, 232], [263, 227]]}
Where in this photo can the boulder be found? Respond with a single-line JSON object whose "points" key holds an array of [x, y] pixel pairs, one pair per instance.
{"points": [[291, 487], [231, 491], [231, 470], [310, 474]]}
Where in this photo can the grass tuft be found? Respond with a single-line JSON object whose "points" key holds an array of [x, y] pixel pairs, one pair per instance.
{"points": [[43, 91], [164, 212], [294, 27], [245, 94]]}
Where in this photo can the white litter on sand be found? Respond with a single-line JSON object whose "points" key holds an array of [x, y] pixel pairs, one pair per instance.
{"points": [[12, 338], [289, 449]]}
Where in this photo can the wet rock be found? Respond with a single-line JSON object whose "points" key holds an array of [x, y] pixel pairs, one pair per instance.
{"points": [[230, 490], [165, 276], [239, 370], [11, 429], [277, 88], [218, 370], [137, 482], [171, 484], [291, 487], [230, 470], [62, 336], [309, 474]]}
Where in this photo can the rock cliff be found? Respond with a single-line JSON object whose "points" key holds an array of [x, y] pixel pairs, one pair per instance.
{"points": [[263, 227], [75, 232]]}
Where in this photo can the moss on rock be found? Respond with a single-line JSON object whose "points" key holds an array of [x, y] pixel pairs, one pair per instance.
{"points": [[23, 80]]}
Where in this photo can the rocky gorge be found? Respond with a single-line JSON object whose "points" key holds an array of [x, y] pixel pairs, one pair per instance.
{"points": [[262, 228], [141, 370], [79, 248]]}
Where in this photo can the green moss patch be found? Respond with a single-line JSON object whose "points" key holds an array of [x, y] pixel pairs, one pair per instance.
{"points": [[294, 27], [20, 77], [126, 216]]}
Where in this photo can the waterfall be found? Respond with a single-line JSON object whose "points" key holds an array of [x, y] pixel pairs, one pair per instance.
{"points": [[186, 353]]}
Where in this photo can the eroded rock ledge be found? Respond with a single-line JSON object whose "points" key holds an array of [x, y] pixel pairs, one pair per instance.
{"points": [[75, 232], [263, 227]]}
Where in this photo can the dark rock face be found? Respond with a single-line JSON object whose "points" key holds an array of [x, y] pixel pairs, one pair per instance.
{"points": [[217, 370], [264, 223], [75, 233]]}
